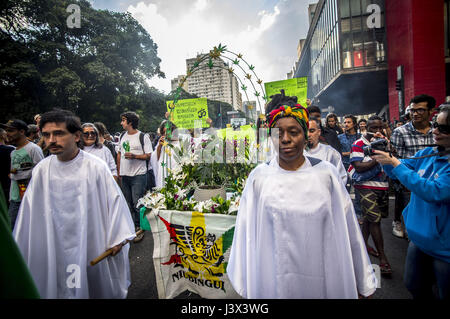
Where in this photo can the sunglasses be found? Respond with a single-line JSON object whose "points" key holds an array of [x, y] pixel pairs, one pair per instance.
{"points": [[87, 134], [444, 129], [418, 111]]}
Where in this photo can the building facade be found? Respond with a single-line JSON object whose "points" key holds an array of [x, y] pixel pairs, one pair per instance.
{"points": [[175, 82], [344, 56], [357, 50], [214, 83], [418, 51]]}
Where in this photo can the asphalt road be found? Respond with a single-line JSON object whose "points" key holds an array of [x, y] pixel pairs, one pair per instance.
{"points": [[143, 280]]}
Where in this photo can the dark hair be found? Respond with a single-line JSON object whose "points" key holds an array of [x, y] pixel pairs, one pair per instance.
{"points": [[445, 108], [313, 109], [362, 120], [353, 118], [97, 143], [163, 125], [101, 128], [431, 101], [374, 118], [73, 123], [329, 116], [317, 120], [32, 129], [132, 118], [278, 100]]}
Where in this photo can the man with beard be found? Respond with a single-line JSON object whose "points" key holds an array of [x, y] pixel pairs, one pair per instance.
{"points": [[71, 213]]}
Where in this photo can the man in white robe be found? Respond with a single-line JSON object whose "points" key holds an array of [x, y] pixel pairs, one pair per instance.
{"points": [[72, 212], [296, 233], [323, 151]]}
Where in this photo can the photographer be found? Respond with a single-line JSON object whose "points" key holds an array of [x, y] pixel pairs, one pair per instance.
{"points": [[427, 217], [371, 184]]}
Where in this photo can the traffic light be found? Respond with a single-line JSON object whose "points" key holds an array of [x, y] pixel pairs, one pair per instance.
{"points": [[398, 85]]}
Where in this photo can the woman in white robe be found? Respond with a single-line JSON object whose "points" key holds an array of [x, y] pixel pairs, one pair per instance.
{"points": [[163, 158], [296, 233], [92, 145]]}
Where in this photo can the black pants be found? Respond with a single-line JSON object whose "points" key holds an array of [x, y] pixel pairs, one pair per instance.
{"points": [[402, 197]]}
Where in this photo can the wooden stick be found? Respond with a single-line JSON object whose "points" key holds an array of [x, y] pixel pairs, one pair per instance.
{"points": [[109, 251]]}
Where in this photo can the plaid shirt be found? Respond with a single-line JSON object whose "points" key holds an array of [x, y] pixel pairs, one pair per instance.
{"points": [[408, 141]]}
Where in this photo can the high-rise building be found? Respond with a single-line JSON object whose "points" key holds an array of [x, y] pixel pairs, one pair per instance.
{"points": [[214, 83], [344, 57], [176, 82]]}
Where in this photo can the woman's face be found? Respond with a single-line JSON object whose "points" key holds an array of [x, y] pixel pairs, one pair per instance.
{"points": [[362, 126], [441, 138], [331, 122], [89, 136], [291, 139]]}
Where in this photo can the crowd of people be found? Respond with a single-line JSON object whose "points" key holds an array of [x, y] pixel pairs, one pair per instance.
{"points": [[72, 191]]}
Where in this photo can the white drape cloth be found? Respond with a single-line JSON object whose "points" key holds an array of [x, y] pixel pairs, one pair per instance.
{"points": [[71, 213], [105, 154], [159, 170], [329, 154], [297, 236]]}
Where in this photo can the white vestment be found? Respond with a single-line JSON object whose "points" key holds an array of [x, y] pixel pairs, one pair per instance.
{"points": [[159, 170], [297, 236], [71, 213], [105, 154], [329, 154]]}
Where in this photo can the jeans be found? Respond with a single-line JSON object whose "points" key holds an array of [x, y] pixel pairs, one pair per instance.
{"points": [[133, 188], [422, 271], [13, 211]]}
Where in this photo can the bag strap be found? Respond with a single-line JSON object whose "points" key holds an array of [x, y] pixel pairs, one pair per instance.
{"points": [[141, 139], [121, 135]]}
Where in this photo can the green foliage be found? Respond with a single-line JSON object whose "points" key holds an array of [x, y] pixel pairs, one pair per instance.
{"points": [[98, 70]]}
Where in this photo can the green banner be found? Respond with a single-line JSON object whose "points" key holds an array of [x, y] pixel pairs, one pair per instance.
{"points": [[292, 87], [186, 112]]}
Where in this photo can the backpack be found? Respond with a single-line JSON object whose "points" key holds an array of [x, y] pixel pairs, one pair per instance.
{"points": [[150, 176]]}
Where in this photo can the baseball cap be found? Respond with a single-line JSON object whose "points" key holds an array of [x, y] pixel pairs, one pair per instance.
{"points": [[17, 124]]}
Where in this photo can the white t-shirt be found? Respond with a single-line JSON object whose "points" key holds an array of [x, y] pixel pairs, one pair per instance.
{"points": [[133, 167]]}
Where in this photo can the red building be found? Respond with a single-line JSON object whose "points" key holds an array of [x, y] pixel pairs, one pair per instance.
{"points": [[417, 39]]}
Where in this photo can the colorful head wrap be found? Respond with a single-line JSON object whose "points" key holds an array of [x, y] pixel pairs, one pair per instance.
{"points": [[298, 112]]}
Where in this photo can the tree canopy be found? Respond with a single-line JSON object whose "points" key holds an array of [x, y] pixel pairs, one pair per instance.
{"points": [[98, 70]]}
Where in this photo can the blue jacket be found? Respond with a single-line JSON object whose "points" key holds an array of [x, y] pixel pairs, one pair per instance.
{"points": [[427, 216]]}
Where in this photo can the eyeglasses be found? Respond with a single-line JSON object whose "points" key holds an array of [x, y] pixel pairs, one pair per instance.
{"points": [[419, 111], [87, 134], [444, 129]]}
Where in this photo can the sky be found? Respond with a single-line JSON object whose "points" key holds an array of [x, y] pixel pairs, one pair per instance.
{"points": [[265, 32]]}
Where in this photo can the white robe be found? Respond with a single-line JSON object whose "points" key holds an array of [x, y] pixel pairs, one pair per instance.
{"points": [[71, 213], [160, 171], [329, 154], [105, 154], [297, 236]]}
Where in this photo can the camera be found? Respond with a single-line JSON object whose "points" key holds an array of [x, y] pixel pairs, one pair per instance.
{"points": [[379, 144]]}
